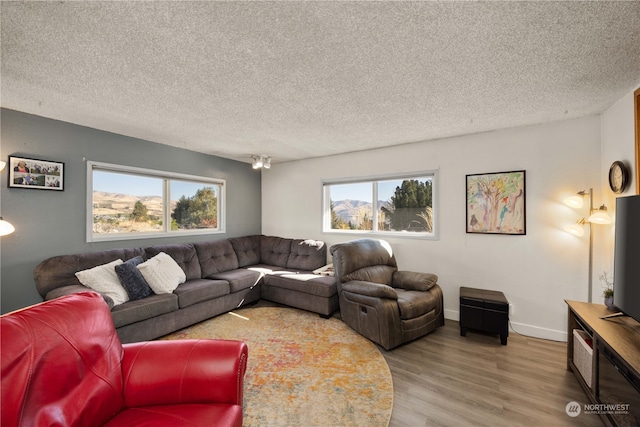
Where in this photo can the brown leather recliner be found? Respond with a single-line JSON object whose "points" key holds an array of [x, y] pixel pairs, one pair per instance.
{"points": [[387, 306]]}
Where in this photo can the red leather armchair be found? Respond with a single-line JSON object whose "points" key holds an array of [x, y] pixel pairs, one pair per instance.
{"points": [[63, 365]]}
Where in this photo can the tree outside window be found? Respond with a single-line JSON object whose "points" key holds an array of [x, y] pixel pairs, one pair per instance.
{"points": [[131, 203], [401, 205]]}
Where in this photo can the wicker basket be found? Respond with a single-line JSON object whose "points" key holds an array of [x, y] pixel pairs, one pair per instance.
{"points": [[583, 354]]}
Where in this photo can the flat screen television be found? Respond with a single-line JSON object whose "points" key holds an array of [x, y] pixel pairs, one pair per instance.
{"points": [[626, 265]]}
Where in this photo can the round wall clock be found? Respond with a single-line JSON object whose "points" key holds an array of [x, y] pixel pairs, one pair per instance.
{"points": [[618, 177]]}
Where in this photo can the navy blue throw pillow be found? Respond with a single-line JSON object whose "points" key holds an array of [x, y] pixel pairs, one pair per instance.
{"points": [[132, 280]]}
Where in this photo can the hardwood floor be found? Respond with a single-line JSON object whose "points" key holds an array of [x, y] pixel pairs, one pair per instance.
{"points": [[444, 379]]}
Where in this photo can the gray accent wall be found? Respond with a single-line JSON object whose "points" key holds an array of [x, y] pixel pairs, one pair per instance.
{"points": [[52, 223]]}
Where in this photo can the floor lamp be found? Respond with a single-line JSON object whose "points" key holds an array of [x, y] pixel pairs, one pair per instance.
{"points": [[598, 216]]}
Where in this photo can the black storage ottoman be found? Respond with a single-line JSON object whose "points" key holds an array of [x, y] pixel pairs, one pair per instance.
{"points": [[484, 310]]}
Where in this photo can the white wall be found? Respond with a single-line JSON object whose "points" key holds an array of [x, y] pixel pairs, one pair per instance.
{"points": [[536, 272], [618, 143]]}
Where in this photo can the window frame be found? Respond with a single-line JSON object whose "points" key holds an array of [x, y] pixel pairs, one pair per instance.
{"points": [[166, 178], [326, 204]]}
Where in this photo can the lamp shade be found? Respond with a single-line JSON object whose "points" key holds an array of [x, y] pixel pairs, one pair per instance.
{"points": [[577, 229], [600, 216], [6, 227], [576, 201]]}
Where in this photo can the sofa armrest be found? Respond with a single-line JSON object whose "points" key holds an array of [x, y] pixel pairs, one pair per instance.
{"points": [[370, 289], [184, 371], [74, 289], [413, 281]]}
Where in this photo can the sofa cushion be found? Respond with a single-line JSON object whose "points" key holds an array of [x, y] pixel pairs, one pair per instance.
{"points": [[103, 278], [370, 289], [307, 255], [60, 270], [142, 309], [414, 281], [353, 261], [195, 291], [269, 269], [184, 254], [132, 280], [247, 249], [375, 273], [275, 250], [162, 273], [216, 257], [239, 279], [415, 303], [324, 286]]}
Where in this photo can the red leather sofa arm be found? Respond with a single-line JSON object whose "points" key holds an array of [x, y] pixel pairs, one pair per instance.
{"points": [[184, 371]]}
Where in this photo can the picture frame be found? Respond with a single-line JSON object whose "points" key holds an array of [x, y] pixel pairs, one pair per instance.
{"points": [[35, 174], [496, 203]]}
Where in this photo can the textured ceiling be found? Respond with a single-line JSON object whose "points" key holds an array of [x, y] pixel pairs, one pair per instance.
{"points": [[296, 80]]}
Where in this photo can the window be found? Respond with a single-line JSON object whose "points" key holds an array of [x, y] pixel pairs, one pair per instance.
{"points": [[133, 203], [402, 205]]}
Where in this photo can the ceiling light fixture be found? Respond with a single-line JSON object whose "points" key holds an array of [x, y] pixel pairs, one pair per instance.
{"points": [[261, 161]]}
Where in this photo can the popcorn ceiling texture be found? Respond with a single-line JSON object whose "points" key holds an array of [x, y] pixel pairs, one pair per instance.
{"points": [[297, 80]]}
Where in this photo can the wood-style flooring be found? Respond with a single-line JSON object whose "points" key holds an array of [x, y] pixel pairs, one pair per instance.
{"points": [[444, 379]]}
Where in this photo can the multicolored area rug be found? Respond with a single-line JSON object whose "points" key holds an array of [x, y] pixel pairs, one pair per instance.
{"points": [[304, 370]]}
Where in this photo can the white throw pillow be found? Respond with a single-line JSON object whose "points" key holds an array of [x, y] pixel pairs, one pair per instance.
{"points": [[104, 279], [162, 273]]}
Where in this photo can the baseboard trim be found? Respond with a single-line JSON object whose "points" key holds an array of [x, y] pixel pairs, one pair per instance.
{"points": [[521, 328]]}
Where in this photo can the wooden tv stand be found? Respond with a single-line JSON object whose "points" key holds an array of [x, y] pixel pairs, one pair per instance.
{"points": [[618, 337]]}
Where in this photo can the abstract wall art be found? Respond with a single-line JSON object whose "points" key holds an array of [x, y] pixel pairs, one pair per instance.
{"points": [[496, 203]]}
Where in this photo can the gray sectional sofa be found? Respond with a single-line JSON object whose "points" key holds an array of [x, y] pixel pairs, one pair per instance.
{"points": [[222, 275]]}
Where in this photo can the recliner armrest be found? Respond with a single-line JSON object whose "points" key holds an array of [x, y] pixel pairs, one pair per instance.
{"points": [[414, 281], [184, 371], [370, 289]]}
